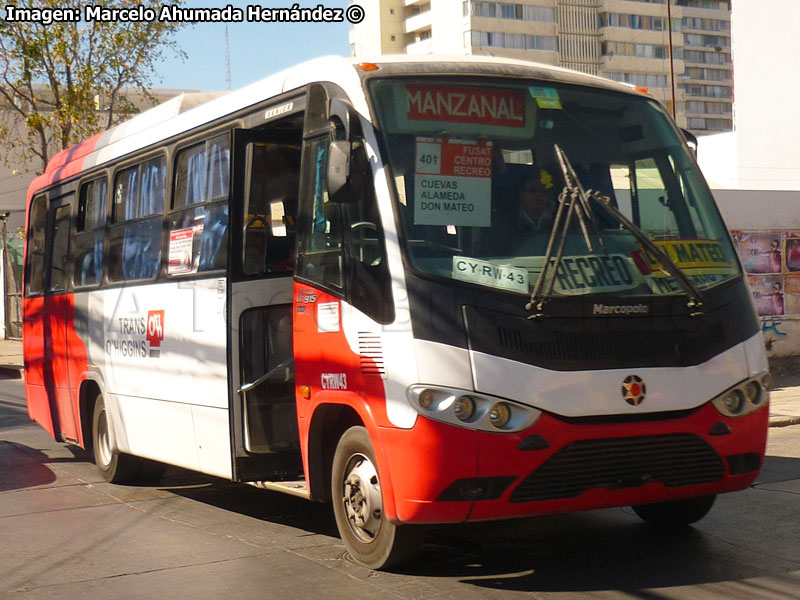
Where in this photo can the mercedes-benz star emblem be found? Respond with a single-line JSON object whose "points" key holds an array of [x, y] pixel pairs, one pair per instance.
{"points": [[633, 390]]}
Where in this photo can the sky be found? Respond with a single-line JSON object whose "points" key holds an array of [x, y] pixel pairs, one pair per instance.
{"points": [[257, 49]]}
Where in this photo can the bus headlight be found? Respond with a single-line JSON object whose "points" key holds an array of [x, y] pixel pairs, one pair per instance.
{"points": [[743, 398], [466, 408], [733, 401], [752, 390], [500, 414], [426, 398]]}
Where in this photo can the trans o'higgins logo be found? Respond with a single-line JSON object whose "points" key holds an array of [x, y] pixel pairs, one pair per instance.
{"points": [[620, 309], [155, 331], [138, 336]]}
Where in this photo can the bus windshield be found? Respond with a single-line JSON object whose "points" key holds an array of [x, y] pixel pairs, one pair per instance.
{"points": [[479, 183]]}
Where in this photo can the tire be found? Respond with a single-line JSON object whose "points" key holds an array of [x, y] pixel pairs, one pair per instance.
{"points": [[676, 513], [368, 536], [115, 467]]}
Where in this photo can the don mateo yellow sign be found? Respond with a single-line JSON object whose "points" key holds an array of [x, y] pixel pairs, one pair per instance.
{"points": [[694, 256]]}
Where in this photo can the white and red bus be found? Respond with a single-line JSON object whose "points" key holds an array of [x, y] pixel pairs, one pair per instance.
{"points": [[329, 284]]}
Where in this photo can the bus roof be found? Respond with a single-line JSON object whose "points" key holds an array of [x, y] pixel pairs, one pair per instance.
{"points": [[188, 111]]}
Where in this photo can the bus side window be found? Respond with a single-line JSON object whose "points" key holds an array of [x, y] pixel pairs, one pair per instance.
{"points": [[268, 232], [59, 256], [320, 258], [90, 228], [137, 214], [198, 225], [34, 282], [368, 278]]}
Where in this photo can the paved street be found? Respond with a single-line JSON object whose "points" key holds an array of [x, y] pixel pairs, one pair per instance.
{"points": [[67, 534]]}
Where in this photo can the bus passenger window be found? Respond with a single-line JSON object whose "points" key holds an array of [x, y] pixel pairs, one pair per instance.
{"points": [[138, 222], [59, 256], [34, 283], [198, 225], [90, 233]]}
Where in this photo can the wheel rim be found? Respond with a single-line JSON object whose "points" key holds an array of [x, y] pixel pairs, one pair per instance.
{"points": [[362, 498], [103, 442]]}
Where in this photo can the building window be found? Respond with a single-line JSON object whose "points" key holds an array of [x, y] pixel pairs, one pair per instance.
{"points": [[508, 10], [518, 41], [648, 80], [645, 22], [638, 50]]}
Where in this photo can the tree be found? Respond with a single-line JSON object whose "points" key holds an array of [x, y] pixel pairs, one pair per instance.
{"points": [[55, 76]]}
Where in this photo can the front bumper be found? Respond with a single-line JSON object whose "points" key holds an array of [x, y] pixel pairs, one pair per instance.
{"points": [[438, 470]]}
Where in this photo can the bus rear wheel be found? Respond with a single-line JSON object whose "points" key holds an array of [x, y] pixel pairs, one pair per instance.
{"points": [[371, 539], [675, 513], [115, 467]]}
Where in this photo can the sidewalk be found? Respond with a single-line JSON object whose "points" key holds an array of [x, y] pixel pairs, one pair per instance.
{"points": [[784, 396], [11, 359]]}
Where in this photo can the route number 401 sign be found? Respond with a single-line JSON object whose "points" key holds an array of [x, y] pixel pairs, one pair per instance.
{"points": [[453, 183]]}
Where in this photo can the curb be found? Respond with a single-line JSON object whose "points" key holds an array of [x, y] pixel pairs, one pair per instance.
{"points": [[783, 421]]}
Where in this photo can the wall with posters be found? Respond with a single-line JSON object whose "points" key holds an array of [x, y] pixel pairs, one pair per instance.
{"points": [[772, 262], [765, 225]]}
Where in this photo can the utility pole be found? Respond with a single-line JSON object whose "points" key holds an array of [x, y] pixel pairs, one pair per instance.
{"points": [[671, 60], [6, 264]]}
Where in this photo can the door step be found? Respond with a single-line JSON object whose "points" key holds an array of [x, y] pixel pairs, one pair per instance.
{"points": [[293, 488]]}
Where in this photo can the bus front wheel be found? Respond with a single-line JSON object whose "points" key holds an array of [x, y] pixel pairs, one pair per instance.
{"points": [[371, 539], [114, 466], [675, 513]]}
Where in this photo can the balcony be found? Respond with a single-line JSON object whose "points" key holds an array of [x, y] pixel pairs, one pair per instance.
{"points": [[419, 22], [420, 47]]}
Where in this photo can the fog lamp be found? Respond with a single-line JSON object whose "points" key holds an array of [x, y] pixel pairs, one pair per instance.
{"points": [[500, 414]]}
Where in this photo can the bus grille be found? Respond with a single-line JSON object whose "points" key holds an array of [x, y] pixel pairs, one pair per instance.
{"points": [[674, 460], [584, 347]]}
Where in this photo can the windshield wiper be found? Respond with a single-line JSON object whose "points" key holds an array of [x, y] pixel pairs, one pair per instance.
{"points": [[578, 202]]}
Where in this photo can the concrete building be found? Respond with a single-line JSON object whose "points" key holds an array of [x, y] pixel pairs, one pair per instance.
{"points": [[624, 40]]}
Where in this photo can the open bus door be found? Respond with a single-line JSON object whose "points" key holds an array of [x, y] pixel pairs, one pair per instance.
{"points": [[266, 166]]}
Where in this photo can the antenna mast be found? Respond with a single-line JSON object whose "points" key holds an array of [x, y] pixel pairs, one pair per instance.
{"points": [[227, 61]]}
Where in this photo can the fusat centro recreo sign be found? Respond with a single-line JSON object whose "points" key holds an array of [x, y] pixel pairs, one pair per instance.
{"points": [[453, 175]]}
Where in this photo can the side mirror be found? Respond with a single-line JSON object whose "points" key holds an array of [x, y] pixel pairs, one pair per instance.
{"points": [[691, 140], [343, 111], [347, 166], [339, 171]]}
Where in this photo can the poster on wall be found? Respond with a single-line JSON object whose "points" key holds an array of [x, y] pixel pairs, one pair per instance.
{"points": [[791, 252], [760, 253], [768, 294], [791, 294], [772, 262]]}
